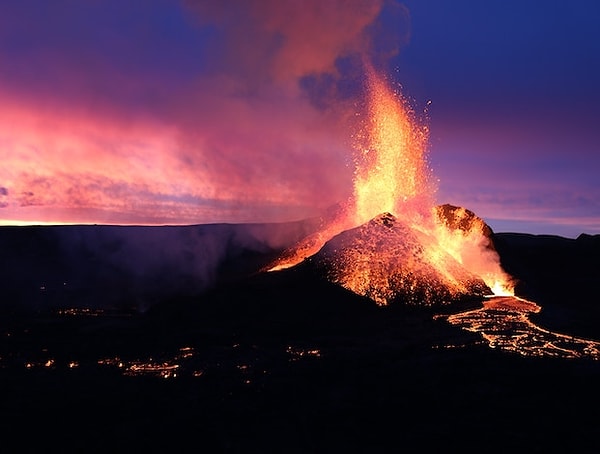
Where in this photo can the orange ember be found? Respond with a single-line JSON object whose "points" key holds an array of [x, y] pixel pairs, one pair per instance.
{"points": [[405, 247]]}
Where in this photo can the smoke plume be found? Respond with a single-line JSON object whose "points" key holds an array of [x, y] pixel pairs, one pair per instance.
{"points": [[217, 112]]}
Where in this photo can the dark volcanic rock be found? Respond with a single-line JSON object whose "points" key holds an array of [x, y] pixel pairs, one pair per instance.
{"points": [[460, 218], [130, 267]]}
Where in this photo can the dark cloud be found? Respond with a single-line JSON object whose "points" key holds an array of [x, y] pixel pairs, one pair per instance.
{"points": [[275, 41]]}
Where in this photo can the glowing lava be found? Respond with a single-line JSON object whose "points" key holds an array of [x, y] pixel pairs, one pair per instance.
{"points": [[391, 169], [504, 323], [390, 242], [388, 261]]}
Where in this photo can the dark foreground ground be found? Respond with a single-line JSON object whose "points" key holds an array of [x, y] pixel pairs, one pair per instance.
{"points": [[286, 362]]}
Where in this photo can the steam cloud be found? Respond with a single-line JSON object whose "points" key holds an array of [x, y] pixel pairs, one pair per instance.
{"points": [[248, 120]]}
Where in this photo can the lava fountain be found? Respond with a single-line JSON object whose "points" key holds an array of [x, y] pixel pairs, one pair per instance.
{"points": [[390, 241], [391, 172]]}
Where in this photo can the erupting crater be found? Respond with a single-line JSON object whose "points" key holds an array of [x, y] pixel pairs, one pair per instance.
{"points": [[390, 242], [389, 262]]}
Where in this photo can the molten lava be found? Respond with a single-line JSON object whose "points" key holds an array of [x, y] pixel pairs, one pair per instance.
{"points": [[391, 172], [469, 240], [504, 323], [390, 242], [388, 261]]}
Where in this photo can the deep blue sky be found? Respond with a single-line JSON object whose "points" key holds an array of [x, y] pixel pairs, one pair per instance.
{"points": [[515, 108], [166, 111]]}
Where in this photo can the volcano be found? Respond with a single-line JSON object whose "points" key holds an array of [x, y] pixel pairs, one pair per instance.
{"points": [[389, 241], [448, 255], [389, 262]]}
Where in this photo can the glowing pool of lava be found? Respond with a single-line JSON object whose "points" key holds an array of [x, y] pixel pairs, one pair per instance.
{"points": [[504, 323]]}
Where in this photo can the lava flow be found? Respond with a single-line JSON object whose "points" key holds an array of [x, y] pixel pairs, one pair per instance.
{"points": [[504, 323], [390, 242]]}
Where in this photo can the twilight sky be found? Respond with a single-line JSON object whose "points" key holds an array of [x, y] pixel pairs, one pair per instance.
{"points": [[192, 111]]}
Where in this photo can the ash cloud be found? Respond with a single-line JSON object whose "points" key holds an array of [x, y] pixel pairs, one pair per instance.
{"points": [[245, 104], [279, 41]]}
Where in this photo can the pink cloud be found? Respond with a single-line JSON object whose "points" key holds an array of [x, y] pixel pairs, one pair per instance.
{"points": [[241, 140]]}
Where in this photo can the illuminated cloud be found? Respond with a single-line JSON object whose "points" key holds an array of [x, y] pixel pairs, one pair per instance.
{"points": [[200, 113]]}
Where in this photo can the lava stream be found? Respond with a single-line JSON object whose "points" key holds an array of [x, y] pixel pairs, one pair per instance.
{"points": [[504, 324]]}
